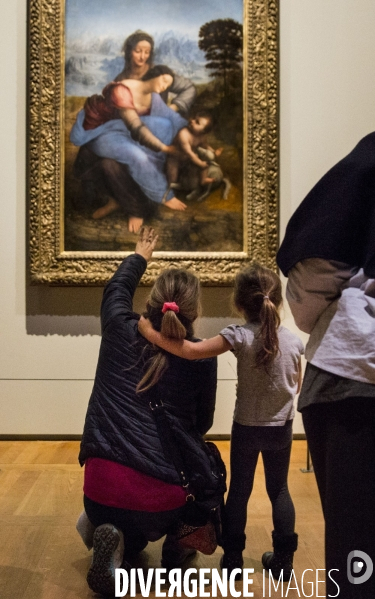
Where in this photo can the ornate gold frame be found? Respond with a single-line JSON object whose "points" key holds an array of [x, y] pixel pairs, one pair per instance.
{"points": [[49, 263]]}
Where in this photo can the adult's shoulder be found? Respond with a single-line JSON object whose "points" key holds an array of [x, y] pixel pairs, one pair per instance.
{"points": [[121, 94]]}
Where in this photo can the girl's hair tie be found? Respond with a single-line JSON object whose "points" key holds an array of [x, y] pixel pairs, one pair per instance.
{"points": [[170, 306], [266, 297]]}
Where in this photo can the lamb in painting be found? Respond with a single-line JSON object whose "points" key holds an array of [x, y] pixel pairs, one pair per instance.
{"points": [[213, 176]]}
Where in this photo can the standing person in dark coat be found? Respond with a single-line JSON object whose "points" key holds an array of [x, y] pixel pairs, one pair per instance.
{"points": [[132, 491], [328, 255]]}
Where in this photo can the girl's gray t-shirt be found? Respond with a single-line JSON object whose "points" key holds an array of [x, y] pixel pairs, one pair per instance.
{"points": [[264, 398]]}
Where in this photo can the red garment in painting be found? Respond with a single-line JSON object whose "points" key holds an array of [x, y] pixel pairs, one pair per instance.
{"points": [[115, 485], [102, 108]]}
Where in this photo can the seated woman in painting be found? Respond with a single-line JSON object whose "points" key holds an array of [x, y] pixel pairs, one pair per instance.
{"points": [[131, 124], [120, 184]]}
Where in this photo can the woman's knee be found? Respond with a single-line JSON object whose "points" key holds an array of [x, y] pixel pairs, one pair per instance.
{"points": [[110, 167]]}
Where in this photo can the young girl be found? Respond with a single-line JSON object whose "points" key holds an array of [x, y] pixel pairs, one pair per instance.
{"points": [[269, 376]]}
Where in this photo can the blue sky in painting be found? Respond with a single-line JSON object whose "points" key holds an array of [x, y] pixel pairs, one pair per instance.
{"points": [[96, 29], [121, 17]]}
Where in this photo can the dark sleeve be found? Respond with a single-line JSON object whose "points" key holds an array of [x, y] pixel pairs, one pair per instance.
{"points": [[207, 399], [119, 291]]}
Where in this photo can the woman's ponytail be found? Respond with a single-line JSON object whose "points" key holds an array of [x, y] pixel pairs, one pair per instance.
{"points": [[171, 326], [172, 307]]}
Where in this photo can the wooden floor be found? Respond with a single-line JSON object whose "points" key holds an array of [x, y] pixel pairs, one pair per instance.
{"points": [[42, 557]]}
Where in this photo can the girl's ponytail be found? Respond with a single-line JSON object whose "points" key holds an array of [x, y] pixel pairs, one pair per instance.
{"points": [[270, 322], [258, 294]]}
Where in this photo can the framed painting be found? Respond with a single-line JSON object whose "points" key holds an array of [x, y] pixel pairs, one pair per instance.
{"points": [[163, 113]]}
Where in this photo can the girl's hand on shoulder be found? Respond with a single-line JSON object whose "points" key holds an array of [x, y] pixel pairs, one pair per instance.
{"points": [[145, 328], [146, 242]]}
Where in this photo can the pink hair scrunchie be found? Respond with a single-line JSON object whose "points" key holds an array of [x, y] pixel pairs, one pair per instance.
{"points": [[170, 306]]}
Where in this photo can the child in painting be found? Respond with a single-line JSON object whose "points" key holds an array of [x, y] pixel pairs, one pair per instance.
{"points": [[187, 141], [269, 376]]}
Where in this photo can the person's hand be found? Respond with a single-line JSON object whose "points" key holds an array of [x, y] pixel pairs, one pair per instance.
{"points": [[174, 107], [171, 150], [175, 204], [145, 327], [146, 242]]}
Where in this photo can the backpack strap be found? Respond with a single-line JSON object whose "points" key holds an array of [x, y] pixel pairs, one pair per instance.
{"points": [[169, 445]]}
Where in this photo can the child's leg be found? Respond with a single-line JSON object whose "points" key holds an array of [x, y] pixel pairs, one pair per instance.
{"points": [[243, 459], [276, 457], [172, 168], [276, 466]]}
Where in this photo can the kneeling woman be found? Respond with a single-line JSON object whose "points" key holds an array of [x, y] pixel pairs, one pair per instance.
{"points": [[132, 492]]}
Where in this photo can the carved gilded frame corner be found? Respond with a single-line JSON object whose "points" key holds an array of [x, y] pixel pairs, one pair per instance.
{"points": [[49, 262]]}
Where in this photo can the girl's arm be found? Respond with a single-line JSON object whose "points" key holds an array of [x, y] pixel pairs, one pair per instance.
{"points": [[183, 348]]}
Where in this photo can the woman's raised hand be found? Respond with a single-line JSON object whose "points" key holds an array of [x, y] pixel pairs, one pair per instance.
{"points": [[146, 242]]}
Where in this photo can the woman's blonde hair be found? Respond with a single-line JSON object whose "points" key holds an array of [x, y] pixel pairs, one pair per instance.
{"points": [[258, 293], [173, 285]]}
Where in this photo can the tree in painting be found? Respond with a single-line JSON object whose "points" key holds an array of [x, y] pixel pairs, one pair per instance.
{"points": [[221, 41]]}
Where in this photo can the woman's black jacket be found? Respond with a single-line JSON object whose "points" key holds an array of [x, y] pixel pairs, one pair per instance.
{"points": [[119, 424]]}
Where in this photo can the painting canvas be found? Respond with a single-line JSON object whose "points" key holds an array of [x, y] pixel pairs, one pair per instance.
{"points": [[115, 180], [159, 113]]}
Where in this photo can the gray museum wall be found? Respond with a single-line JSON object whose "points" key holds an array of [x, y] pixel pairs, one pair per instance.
{"points": [[50, 336]]}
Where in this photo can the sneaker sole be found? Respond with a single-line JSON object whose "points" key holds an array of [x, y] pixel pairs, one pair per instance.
{"points": [[101, 575]]}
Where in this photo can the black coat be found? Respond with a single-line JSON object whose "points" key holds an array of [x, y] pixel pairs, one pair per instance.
{"points": [[119, 424], [336, 220]]}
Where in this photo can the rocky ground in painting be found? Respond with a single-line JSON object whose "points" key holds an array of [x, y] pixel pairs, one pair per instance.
{"points": [[201, 227]]}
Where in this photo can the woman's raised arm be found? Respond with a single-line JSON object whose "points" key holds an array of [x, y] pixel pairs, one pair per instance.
{"points": [[119, 291]]}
